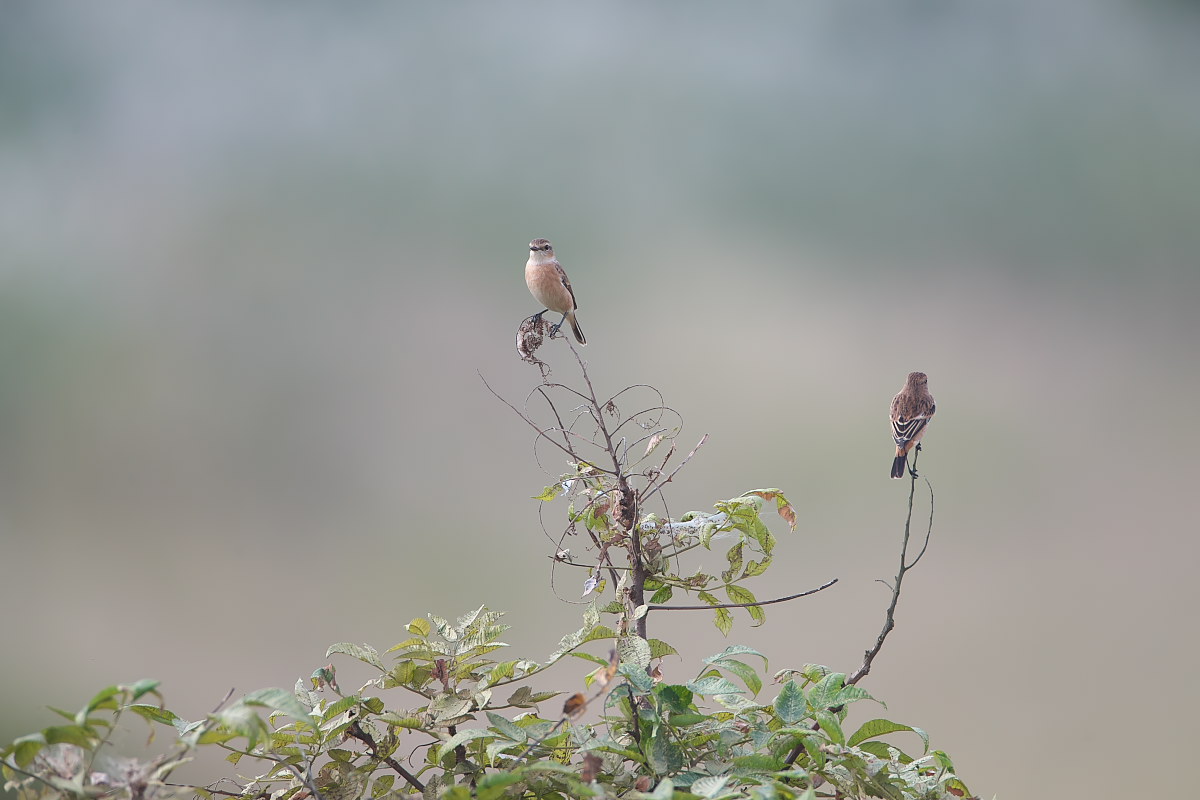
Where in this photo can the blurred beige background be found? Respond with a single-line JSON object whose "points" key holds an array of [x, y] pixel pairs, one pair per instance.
{"points": [[252, 257]]}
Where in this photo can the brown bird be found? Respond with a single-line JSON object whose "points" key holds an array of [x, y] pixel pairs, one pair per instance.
{"points": [[549, 286], [912, 409]]}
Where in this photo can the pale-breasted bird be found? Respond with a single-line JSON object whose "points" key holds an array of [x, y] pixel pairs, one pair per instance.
{"points": [[549, 285], [912, 409]]}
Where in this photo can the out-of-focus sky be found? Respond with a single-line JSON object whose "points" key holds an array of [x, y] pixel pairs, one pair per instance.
{"points": [[253, 256]]}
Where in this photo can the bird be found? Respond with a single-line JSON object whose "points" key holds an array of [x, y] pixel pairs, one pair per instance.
{"points": [[549, 285], [912, 409]]}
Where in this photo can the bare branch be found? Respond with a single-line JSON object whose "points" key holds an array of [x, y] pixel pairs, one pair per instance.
{"points": [[743, 605]]}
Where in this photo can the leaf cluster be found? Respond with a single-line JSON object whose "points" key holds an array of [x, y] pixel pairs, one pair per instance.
{"points": [[461, 737]]}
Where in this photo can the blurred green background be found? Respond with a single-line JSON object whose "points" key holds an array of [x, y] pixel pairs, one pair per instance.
{"points": [[252, 257]]}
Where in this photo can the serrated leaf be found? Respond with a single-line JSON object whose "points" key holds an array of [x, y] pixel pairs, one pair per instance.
{"points": [[660, 649], [339, 706], [829, 723], [363, 652], [791, 705], [757, 764], [826, 692], [754, 568], [662, 595], [492, 786], [875, 728], [507, 727], [740, 594], [714, 684], [637, 676], [743, 671], [154, 714], [675, 698], [736, 650], [282, 701], [663, 755], [723, 620], [633, 650], [549, 493], [462, 737], [710, 785]]}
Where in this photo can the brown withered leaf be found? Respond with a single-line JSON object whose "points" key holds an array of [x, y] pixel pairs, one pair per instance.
{"points": [[782, 505]]}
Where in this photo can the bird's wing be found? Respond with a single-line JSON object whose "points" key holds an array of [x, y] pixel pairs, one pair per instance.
{"points": [[904, 429], [562, 274]]}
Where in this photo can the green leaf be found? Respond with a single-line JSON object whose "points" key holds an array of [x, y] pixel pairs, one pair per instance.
{"points": [[829, 723], [636, 675], [755, 568], [633, 650], [674, 697], [507, 727], [743, 671], [740, 594], [281, 701], [723, 620], [714, 684], [734, 557], [663, 755], [464, 736], [363, 652], [736, 650], [142, 687], [549, 493], [26, 748], [103, 699], [872, 729], [758, 763], [418, 627], [812, 746], [155, 714], [492, 786], [339, 706], [660, 649], [687, 720], [791, 705], [826, 693], [663, 594]]}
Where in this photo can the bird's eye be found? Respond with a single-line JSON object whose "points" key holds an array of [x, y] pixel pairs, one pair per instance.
{"points": [[545, 247]]}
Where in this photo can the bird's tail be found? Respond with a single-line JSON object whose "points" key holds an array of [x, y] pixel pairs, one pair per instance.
{"points": [[898, 465], [579, 337]]}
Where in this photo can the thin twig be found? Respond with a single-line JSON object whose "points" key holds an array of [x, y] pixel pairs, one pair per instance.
{"points": [[743, 605], [541, 433], [890, 620], [651, 490]]}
